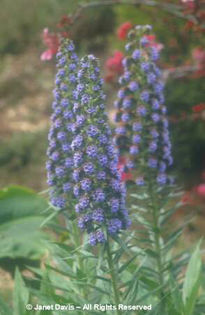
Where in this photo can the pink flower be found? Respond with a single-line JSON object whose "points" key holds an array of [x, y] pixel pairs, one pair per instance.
{"points": [[125, 176], [187, 198], [114, 63], [198, 108], [198, 55], [153, 43], [51, 40], [200, 189], [123, 30], [190, 4]]}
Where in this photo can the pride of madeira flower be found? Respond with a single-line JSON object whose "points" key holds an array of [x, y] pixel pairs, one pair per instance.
{"points": [[60, 160], [82, 162], [143, 132], [100, 194]]}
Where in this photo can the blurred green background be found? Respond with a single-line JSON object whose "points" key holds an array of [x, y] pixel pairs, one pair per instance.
{"points": [[26, 82]]}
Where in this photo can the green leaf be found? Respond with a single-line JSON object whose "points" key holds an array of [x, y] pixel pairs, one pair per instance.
{"points": [[4, 308], [20, 295], [142, 196], [176, 295], [192, 281], [20, 218]]}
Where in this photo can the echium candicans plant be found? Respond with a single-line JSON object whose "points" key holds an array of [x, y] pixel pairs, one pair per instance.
{"points": [[143, 125], [142, 137], [82, 159], [60, 160], [100, 196]]}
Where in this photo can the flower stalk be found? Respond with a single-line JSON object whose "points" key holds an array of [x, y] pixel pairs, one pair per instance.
{"points": [[113, 276]]}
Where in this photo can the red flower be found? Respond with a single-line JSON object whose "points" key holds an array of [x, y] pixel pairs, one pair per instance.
{"points": [[198, 108], [51, 40], [187, 198], [201, 190], [126, 176], [189, 4], [121, 166], [114, 64], [198, 55], [153, 43], [123, 30]]}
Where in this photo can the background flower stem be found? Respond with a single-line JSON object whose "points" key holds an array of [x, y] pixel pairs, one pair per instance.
{"points": [[155, 208], [113, 276]]}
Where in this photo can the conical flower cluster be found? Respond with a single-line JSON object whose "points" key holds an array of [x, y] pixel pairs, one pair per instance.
{"points": [[82, 162], [98, 190], [60, 158], [142, 132]]}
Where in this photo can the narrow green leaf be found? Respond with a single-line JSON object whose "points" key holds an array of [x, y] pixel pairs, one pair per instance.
{"points": [[20, 295], [192, 281], [126, 264]]}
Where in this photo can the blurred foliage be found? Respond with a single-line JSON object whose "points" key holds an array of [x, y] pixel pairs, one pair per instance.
{"points": [[188, 134], [19, 30], [22, 149], [22, 212]]}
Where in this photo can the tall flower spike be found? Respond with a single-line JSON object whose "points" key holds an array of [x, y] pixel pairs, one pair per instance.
{"points": [[59, 152], [143, 132], [100, 197]]}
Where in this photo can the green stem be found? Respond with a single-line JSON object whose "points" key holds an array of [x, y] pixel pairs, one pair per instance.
{"points": [[77, 242], [113, 277], [157, 245]]}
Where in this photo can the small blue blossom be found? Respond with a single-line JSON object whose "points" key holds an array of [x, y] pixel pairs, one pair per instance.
{"points": [[60, 171], [89, 168], [86, 184], [121, 93], [136, 54], [142, 111], [154, 54], [155, 104], [137, 126], [102, 138], [134, 150], [120, 131], [133, 86], [140, 181], [67, 187], [99, 195], [152, 162], [92, 131], [136, 139], [125, 117], [153, 146], [68, 162], [151, 78], [77, 159], [156, 117], [144, 96], [145, 66], [154, 133], [144, 41], [162, 179], [98, 215], [92, 151], [127, 103]]}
